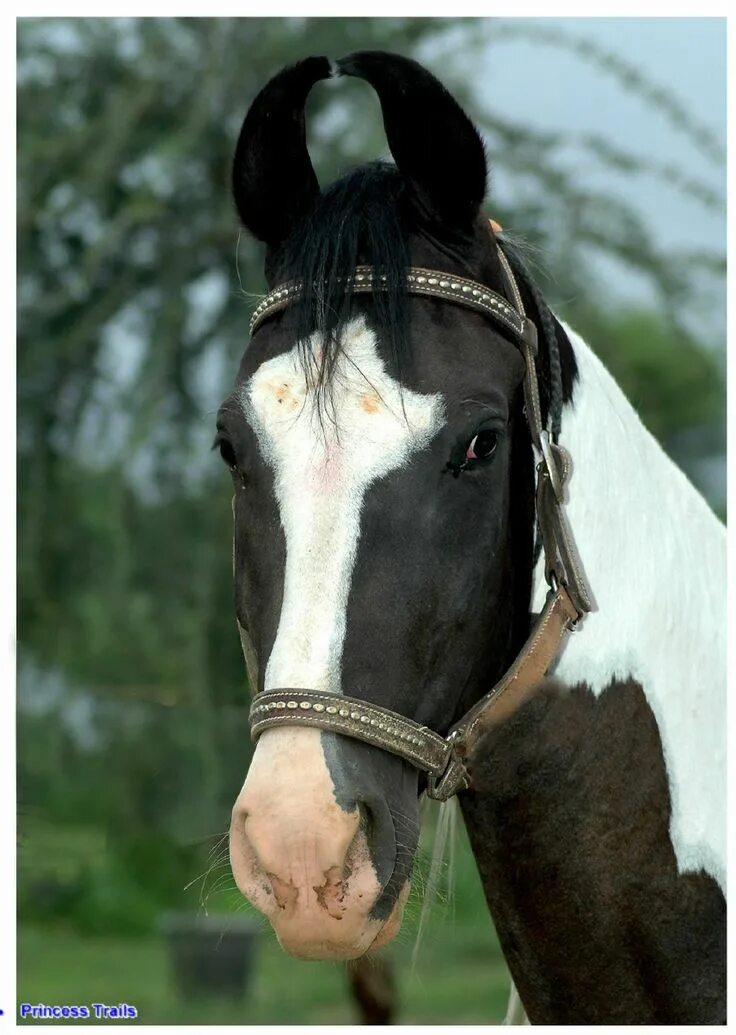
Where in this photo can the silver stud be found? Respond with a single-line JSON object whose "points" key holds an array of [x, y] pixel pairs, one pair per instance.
{"points": [[280, 704], [382, 726], [421, 280], [433, 281], [466, 289], [374, 722], [455, 286], [319, 707], [365, 718], [355, 715], [305, 705], [331, 709], [476, 293], [344, 712], [359, 276], [444, 283]]}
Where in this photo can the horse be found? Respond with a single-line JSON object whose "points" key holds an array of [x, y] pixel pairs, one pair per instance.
{"points": [[463, 567]]}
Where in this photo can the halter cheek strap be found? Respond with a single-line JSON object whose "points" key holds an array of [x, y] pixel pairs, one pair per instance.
{"points": [[444, 759]]}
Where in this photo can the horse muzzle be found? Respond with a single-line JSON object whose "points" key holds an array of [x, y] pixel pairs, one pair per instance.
{"points": [[305, 860]]}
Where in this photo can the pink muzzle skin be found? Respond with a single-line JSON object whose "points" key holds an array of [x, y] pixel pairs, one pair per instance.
{"points": [[301, 859]]}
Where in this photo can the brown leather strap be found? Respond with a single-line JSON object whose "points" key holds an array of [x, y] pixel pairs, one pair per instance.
{"points": [[419, 281], [558, 616], [561, 559], [355, 718], [562, 562]]}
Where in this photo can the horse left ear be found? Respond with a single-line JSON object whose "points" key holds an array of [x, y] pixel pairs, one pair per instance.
{"points": [[272, 176], [434, 144]]}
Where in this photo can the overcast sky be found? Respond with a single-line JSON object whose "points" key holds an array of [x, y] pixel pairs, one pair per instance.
{"points": [[551, 88]]}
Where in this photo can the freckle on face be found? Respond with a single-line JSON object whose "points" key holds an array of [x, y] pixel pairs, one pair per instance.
{"points": [[370, 402]]}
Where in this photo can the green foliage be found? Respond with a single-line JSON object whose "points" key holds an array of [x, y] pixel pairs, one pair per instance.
{"points": [[673, 382]]}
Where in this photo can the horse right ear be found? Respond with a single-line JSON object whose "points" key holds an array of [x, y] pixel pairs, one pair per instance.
{"points": [[273, 181], [436, 147]]}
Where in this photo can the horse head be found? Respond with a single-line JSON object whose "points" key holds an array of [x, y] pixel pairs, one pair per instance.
{"points": [[383, 492]]}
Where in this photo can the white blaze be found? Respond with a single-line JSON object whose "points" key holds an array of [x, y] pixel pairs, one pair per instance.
{"points": [[322, 472]]}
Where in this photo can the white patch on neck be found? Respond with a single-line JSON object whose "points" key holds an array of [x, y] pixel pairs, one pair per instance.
{"points": [[654, 555], [321, 474]]}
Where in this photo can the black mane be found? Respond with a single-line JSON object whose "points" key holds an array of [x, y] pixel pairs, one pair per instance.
{"points": [[360, 219], [365, 218]]}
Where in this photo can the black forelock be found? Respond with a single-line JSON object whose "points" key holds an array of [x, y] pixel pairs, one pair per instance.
{"points": [[360, 219]]}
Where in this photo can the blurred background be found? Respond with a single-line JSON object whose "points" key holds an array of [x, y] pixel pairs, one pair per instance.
{"points": [[606, 140]]}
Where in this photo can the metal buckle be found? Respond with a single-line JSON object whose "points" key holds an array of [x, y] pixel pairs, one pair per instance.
{"points": [[545, 444], [452, 779]]}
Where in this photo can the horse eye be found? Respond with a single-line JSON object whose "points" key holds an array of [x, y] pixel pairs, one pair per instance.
{"points": [[227, 453], [482, 446]]}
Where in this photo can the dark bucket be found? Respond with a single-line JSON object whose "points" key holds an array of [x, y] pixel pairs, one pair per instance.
{"points": [[211, 956]]}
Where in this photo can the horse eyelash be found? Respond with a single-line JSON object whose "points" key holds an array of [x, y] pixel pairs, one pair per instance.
{"points": [[455, 469]]}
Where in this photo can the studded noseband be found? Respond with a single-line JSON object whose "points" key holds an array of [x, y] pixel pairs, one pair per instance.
{"points": [[443, 758]]}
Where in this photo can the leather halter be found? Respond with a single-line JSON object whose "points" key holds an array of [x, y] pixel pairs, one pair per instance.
{"points": [[443, 758]]}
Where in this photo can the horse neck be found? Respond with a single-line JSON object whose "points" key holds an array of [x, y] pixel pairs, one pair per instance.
{"points": [[652, 549], [654, 555], [625, 745]]}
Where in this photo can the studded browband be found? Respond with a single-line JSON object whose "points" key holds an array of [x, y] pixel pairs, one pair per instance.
{"points": [[365, 280], [445, 760]]}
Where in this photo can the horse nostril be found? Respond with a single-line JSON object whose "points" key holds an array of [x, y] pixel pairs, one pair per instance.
{"points": [[365, 822]]}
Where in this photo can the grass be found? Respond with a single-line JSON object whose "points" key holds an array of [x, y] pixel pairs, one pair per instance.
{"points": [[459, 975]]}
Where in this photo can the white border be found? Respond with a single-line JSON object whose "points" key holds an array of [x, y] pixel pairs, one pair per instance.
{"points": [[520, 8]]}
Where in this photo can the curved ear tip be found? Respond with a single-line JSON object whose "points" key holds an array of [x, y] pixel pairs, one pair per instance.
{"points": [[310, 68], [319, 62], [299, 76]]}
